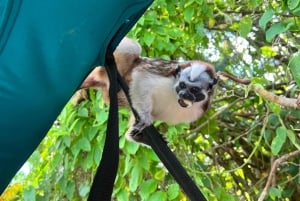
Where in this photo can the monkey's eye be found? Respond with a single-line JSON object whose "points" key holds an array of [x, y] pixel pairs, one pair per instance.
{"points": [[194, 90], [182, 85]]}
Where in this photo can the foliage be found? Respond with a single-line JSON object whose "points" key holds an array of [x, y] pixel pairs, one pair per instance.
{"points": [[231, 150]]}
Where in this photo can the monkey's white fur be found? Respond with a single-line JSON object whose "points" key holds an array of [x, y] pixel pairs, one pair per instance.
{"points": [[159, 101]]}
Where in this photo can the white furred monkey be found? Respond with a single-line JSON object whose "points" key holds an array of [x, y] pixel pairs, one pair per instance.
{"points": [[169, 91]]}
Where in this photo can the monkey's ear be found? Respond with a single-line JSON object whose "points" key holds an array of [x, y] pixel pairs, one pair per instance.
{"points": [[196, 70], [214, 82]]}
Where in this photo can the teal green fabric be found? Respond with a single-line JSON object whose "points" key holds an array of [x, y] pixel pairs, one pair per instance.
{"points": [[46, 50]]}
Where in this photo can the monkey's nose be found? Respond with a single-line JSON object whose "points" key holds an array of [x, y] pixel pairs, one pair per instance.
{"points": [[186, 95]]}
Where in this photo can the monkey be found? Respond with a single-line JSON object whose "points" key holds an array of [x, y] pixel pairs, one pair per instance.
{"points": [[169, 91]]}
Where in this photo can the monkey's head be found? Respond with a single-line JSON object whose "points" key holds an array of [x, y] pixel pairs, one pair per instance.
{"points": [[194, 83]]}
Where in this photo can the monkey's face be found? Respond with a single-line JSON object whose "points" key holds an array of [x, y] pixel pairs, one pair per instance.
{"points": [[193, 84]]}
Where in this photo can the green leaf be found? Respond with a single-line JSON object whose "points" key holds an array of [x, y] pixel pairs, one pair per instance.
{"points": [[147, 188], [265, 18], [279, 140], [148, 38], [70, 189], [173, 191], [275, 107], [245, 26], [268, 51], [159, 195], [295, 67], [254, 3], [291, 135], [276, 29], [274, 193], [92, 132], [97, 154], [131, 147], [292, 4], [135, 178], [67, 140], [188, 13], [123, 195], [88, 161], [82, 144], [160, 175], [29, 194], [83, 112], [84, 190]]}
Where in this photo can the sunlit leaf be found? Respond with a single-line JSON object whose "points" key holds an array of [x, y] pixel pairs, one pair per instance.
{"points": [[268, 51], [159, 195], [147, 188], [159, 175], [211, 22], [132, 147], [245, 26], [123, 195], [173, 191]]}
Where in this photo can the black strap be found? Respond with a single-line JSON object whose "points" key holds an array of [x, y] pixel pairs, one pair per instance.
{"points": [[172, 164], [104, 179], [166, 155]]}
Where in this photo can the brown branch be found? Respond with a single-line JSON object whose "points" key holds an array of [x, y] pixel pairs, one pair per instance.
{"points": [[274, 167], [283, 101], [222, 74]]}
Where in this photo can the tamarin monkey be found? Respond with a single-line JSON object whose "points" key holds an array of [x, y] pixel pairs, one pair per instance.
{"points": [[170, 91]]}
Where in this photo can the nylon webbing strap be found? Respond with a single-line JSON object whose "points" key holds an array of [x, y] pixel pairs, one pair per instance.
{"points": [[104, 179], [166, 155]]}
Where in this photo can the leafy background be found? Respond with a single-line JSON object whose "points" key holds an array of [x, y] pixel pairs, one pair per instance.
{"points": [[231, 151]]}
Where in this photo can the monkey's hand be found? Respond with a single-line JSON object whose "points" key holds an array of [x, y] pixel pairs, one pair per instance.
{"points": [[135, 133]]}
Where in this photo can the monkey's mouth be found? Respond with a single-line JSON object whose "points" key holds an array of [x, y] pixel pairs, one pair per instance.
{"points": [[184, 102]]}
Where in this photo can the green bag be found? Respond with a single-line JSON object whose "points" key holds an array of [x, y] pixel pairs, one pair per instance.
{"points": [[46, 50]]}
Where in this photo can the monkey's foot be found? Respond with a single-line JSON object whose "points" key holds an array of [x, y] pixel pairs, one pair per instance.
{"points": [[135, 133], [139, 138]]}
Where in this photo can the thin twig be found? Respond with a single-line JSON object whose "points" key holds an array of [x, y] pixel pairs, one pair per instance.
{"points": [[215, 115], [274, 167]]}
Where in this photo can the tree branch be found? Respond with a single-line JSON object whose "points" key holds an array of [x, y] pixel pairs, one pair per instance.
{"points": [[284, 101], [274, 167]]}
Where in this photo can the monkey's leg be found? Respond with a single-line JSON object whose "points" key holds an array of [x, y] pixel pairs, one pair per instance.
{"points": [[135, 135]]}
